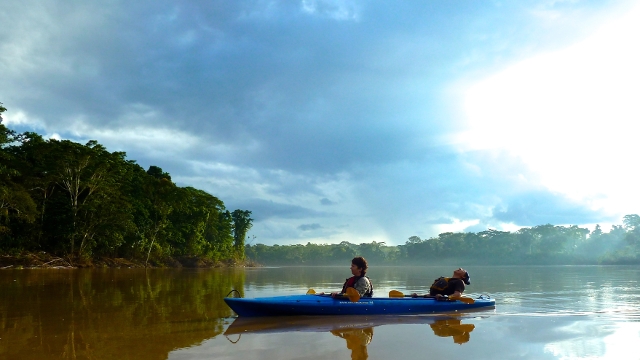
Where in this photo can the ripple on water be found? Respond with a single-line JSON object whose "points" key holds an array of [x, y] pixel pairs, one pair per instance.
{"points": [[624, 307]]}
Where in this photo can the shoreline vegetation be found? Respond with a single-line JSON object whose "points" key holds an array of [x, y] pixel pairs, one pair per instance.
{"points": [[538, 245], [45, 260], [68, 205]]}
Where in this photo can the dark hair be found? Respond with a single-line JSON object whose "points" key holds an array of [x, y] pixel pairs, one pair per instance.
{"points": [[360, 262], [466, 278]]}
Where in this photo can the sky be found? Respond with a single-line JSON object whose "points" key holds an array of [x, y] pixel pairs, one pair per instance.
{"points": [[348, 120]]}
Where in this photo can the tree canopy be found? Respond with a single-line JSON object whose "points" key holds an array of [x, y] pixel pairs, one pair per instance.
{"points": [[82, 201]]}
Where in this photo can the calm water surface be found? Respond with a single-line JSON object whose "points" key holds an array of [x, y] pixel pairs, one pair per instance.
{"points": [[550, 312]]}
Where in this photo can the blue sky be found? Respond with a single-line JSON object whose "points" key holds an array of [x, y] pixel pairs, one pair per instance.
{"points": [[347, 120]]}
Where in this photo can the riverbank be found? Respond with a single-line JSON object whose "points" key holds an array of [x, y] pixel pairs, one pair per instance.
{"points": [[43, 260]]}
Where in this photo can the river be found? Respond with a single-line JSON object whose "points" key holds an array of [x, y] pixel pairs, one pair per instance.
{"points": [[546, 312]]}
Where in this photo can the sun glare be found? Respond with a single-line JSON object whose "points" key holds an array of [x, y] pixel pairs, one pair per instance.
{"points": [[571, 116]]}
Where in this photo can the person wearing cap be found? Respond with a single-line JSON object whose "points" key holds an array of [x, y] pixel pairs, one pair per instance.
{"points": [[453, 286]]}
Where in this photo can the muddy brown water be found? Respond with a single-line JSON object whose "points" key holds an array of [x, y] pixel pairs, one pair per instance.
{"points": [[546, 312]]}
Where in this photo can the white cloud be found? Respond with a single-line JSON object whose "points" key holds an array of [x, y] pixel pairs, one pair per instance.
{"points": [[21, 118], [135, 132], [156, 142], [337, 10], [456, 226]]}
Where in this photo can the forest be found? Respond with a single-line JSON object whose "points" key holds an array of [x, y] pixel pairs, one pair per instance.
{"points": [[537, 245], [82, 203]]}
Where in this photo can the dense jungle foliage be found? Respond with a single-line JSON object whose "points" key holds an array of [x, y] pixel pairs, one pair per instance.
{"points": [[544, 244], [82, 202]]}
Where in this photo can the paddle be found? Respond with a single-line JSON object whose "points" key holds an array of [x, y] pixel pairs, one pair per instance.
{"points": [[466, 300], [352, 294], [396, 293]]}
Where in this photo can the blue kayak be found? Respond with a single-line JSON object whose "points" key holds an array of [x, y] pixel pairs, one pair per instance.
{"points": [[317, 304]]}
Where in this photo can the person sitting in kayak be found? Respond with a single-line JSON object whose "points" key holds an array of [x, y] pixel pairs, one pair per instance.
{"points": [[453, 286], [359, 280]]}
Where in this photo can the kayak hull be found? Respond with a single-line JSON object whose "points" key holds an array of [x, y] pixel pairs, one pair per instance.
{"points": [[326, 305]]}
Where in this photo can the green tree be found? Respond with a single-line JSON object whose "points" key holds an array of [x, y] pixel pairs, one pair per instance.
{"points": [[161, 195], [2, 109], [242, 222], [81, 172], [157, 173], [15, 201], [631, 222], [342, 252], [107, 218], [632, 237], [201, 225], [373, 252]]}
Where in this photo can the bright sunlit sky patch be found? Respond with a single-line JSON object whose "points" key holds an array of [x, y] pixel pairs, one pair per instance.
{"points": [[347, 120], [571, 116]]}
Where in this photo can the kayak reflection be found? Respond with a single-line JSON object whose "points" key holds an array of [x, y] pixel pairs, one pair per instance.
{"points": [[356, 330]]}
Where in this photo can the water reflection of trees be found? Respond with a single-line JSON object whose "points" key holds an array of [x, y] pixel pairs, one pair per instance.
{"points": [[123, 314]]}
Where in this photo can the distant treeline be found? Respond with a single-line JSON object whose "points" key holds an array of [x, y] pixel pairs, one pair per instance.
{"points": [[543, 244], [83, 202]]}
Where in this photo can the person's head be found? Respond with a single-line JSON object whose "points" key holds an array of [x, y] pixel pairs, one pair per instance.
{"points": [[358, 266], [461, 273]]}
